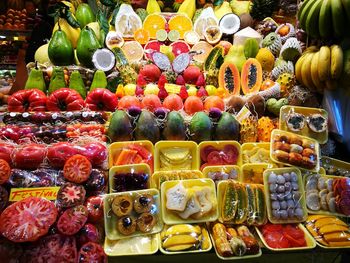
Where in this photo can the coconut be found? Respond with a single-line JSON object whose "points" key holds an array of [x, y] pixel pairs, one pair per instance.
{"points": [[103, 59], [256, 104], [229, 24], [234, 103], [246, 20]]}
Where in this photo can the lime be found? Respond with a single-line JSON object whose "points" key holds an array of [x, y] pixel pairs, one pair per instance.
{"points": [[174, 35], [161, 35]]}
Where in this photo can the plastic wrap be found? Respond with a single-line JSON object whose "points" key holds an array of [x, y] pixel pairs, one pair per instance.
{"points": [[335, 167], [253, 173], [162, 176], [227, 172], [256, 153]]}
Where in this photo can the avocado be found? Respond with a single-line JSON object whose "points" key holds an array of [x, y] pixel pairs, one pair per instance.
{"points": [[57, 80], [120, 128], [147, 127], [200, 127], [60, 50], [36, 80], [175, 128], [99, 80], [77, 83], [86, 47], [227, 128]]}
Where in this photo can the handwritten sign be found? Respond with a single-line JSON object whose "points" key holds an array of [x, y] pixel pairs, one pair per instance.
{"points": [[18, 194]]}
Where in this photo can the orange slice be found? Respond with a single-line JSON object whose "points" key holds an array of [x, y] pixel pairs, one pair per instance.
{"points": [[153, 23], [142, 36], [203, 47], [133, 51], [180, 23]]}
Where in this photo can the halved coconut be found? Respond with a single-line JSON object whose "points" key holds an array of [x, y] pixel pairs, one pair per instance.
{"points": [[114, 39], [229, 24], [213, 34], [103, 59]]}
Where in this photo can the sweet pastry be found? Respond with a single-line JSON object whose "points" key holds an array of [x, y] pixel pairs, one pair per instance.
{"points": [[146, 222], [143, 203], [126, 225], [122, 205]]}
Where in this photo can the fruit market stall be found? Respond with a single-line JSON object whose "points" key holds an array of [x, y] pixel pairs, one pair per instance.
{"points": [[187, 128]]}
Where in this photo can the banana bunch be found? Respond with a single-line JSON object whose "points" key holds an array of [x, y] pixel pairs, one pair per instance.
{"points": [[324, 18], [185, 237], [320, 68]]}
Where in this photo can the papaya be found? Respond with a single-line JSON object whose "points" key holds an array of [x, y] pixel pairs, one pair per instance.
{"points": [[251, 76], [175, 128], [229, 78], [214, 59], [120, 128], [200, 127], [227, 128], [147, 127]]}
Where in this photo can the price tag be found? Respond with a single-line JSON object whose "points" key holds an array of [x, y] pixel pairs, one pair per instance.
{"points": [[18, 194], [243, 114]]}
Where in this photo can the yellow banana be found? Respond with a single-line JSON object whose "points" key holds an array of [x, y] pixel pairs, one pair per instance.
{"points": [[183, 229], [306, 72], [205, 239], [181, 247], [320, 86], [179, 240], [324, 62], [298, 66], [188, 7], [153, 7], [336, 61]]}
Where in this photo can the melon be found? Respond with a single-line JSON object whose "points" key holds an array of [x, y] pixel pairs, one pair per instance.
{"points": [[229, 78], [251, 76]]}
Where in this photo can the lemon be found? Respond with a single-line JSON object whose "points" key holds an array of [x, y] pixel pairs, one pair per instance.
{"points": [[211, 90], [130, 89], [151, 89]]}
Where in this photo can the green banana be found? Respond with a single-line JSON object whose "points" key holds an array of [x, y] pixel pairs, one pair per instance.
{"points": [[336, 61], [301, 8], [338, 18], [305, 12], [324, 22], [313, 18], [346, 6]]}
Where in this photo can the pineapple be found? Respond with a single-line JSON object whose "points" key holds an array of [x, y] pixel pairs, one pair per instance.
{"points": [[263, 8], [249, 130], [265, 127]]}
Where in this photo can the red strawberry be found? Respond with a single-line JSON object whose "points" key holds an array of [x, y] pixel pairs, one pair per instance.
{"points": [[141, 80], [138, 91], [162, 94], [200, 81], [183, 93], [162, 80], [202, 92], [180, 80]]}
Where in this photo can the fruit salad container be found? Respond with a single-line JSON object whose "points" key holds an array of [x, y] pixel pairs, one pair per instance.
{"points": [[133, 152], [310, 122], [189, 201], [140, 245], [295, 150], [134, 213], [184, 238], [234, 242], [162, 176], [220, 173], [129, 178], [253, 172], [328, 195], [240, 203], [258, 152], [220, 153], [288, 237], [329, 231], [335, 167], [285, 196], [176, 155]]}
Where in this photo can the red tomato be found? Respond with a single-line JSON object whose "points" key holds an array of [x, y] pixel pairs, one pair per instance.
{"points": [[29, 156], [230, 154], [72, 220], [89, 233], [276, 240], [27, 220], [10, 252], [92, 252], [27, 100], [77, 169], [94, 206], [96, 153], [6, 151], [215, 158], [58, 153], [71, 195], [101, 100], [5, 171], [65, 99]]}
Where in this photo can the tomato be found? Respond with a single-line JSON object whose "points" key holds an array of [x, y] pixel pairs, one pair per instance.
{"points": [[6, 150], [97, 183], [27, 100], [276, 240], [94, 205], [101, 100], [215, 158], [72, 220], [230, 154], [96, 153], [4, 197], [89, 233], [71, 195], [58, 153], [10, 252], [27, 220], [65, 99], [54, 248], [29, 156], [77, 169], [5, 171], [92, 252], [205, 152]]}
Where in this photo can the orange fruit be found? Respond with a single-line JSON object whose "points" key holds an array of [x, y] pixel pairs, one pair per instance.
{"points": [[151, 102], [142, 36], [173, 102], [133, 51], [193, 104], [203, 47], [214, 102], [127, 101], [180, 23], [153, 23]]}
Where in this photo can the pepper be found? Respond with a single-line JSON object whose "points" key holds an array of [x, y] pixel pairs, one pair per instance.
{"points": [[101, 99]]}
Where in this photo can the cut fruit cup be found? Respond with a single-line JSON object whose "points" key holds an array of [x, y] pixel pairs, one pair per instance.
{"points": [[335, 166], [247, 147], [219, 173], [253, 172], [162, 176]]}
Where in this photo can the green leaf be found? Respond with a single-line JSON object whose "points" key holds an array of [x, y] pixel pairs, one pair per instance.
{"points": [[218, 2], [107, 2], [114, 15], [94, 6], [66, 14], [102, 20]]}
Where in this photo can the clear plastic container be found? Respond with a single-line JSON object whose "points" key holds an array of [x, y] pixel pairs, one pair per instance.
{"points": [[199, 192], [220, 173], [251, 154], [253, 172], [335, 166], [159, 177], [285, 196]]}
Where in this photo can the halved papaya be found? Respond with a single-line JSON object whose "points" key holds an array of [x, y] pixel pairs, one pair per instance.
{"points": [[251, 76], [229, 78]]}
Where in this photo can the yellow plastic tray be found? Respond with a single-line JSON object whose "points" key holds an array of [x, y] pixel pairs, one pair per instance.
{"points": [[116, 147], [317, 149], [248, 167], [141, 245], [225, 169], [171, 218], [183, 175], [325, 160], [111, 219], [310, 241], [129, 168], [285, 110], [178, 144], [250, 145], [220, 145], [267, 194], [206, 235]]}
